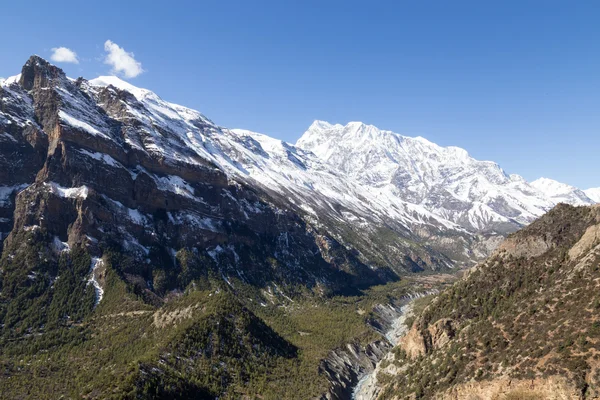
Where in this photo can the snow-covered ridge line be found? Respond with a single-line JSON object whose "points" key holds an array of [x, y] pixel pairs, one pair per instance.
{"points": [[477, 195], [74, 122], [561, 192], [269, 162], [593, 194]]}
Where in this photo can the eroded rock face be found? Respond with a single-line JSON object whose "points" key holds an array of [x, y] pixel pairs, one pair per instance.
{"points": [[351, 371], [546, 233], [529, 247], [589, 240], [419, 341], [343, 367], [414, 342]]}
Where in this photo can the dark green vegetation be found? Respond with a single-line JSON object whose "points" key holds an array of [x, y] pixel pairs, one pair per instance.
{"points": [[530, 311], [213, 339]]}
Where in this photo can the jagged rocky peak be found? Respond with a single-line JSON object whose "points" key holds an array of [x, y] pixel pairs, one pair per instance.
{"points": [[39, 73]]}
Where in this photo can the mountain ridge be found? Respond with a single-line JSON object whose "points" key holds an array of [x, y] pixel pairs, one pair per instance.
{"points": [[522, 323], [593, 193], [478, 195]]}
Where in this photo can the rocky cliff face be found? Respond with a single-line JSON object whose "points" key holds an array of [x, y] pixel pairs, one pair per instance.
{"points": [[344, 367], [419, 341]]}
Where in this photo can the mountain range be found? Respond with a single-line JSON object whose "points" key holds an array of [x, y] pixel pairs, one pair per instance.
{"points": [[355, 175], [476, 195], [118, 205]]}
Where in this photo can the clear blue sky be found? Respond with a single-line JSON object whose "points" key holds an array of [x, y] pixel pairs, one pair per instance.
{"points": [[517, 82]]}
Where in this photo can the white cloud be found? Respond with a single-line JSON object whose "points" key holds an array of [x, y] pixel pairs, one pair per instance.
{"points": [[63, 54], [121, 61]]}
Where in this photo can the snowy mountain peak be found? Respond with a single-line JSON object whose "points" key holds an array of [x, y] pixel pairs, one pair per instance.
{"points": [[445, 180], [552, 187], [360, 148], [104, 81], [593, 194], [317, 124], [561, 192]]}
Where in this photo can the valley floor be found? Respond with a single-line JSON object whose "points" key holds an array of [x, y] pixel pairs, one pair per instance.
{"points": [[216, 341]]}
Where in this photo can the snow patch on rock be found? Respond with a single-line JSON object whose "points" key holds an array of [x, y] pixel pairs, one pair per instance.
{"points": [[97, 264], [80, 192]]}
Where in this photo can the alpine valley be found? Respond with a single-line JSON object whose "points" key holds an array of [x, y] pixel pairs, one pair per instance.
{"points": [[149, 253]]}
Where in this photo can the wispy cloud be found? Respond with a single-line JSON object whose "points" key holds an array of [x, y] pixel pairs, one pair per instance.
{"points": [[122, 62], [64, 55]]}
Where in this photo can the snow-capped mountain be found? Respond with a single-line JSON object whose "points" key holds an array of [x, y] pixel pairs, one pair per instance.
{"points": [[297, 177], [593, 194], [478, 195], [366, 198], [561, 192], [87, 163]]}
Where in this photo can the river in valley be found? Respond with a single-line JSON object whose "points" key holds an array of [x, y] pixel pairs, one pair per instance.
{"points": [[367, 387]]}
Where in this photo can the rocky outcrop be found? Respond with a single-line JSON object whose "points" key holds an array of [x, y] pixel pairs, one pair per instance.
{"points": [[419, 341], [589, 240], [529, 247], [548, 233]]}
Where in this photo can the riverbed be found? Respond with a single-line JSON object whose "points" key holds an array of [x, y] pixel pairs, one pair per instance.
{"points": [[367, 388]]}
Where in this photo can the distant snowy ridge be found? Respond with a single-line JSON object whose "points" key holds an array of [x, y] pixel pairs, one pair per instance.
{"points": [[561, 192], [593, 194], [477, 195]]}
